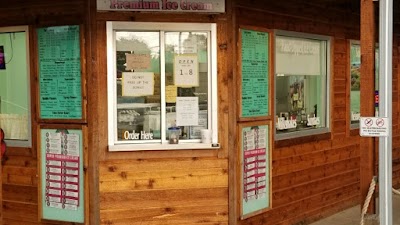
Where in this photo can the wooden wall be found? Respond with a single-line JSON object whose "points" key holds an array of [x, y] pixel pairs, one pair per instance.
{"points": [[165, 187], [316, 176], [311, 177], [20, 171]]}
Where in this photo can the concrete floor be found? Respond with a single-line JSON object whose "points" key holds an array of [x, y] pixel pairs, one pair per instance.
{"points": [[352, 216]]}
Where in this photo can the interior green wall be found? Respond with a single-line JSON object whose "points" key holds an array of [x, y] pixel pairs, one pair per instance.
{"points": [[14, 79]]}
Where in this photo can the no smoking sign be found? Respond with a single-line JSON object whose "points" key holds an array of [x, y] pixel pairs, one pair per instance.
{"points": [[374, 126]]}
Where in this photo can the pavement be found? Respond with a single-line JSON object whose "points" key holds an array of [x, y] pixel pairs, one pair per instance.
{"points": [[352, 216]]}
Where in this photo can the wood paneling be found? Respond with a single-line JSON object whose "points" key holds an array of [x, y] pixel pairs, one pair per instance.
{"points": [[41, 12], [312, 177], [13, 210], [164, 191], [165, 187], [20, 172]]}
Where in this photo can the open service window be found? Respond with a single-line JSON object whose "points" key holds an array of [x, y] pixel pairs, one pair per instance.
{"points": [[162, 86], [302, 91], [14, 86]]}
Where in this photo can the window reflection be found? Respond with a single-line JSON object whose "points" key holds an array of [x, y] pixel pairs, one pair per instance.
{"points": [[139, 84], [14, 102]]}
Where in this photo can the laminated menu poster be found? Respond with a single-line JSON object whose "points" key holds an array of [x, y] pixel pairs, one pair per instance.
{"points": [[255, 67], [60, 72], [62, 175], [255, 169]]}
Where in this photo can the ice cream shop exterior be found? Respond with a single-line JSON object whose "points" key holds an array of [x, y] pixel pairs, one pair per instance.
{"points": [[189, 111]]}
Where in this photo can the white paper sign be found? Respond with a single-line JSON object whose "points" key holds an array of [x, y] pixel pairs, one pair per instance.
{"points": [[374, 126], [187, 111], [137, 84], [186, 70]]}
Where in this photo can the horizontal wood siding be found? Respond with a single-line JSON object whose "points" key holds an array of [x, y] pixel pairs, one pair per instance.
{"points": [[165, 187], [310, 179], [20, 171], [169, 191], [313, 179], [43, 12]]}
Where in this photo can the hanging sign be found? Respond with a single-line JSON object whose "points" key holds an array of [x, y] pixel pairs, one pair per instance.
{"points": [[294, 54], [60, 94], [187, 111], [62, 175], [201, 6], [186, 70], [137, 84], [137, 61]]}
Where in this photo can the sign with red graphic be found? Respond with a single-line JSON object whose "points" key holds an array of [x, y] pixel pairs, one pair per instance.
{"points": [[62, 175], [255, 169], [374, 126]]}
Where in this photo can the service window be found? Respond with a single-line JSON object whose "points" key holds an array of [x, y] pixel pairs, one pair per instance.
{"points": [[355, 63], [301, 90], [162, 86], [14, 86]]}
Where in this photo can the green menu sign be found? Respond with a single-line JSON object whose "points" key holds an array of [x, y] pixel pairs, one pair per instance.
{"points": [[255, 67], [60, 72]]}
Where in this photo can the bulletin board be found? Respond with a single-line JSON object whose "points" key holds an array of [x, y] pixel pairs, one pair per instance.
{"points": [[255, 168], [60, 73], [61, 173], [255, 82]]}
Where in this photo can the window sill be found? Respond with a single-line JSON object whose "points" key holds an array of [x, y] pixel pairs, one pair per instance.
{"points": [[147, 147]]}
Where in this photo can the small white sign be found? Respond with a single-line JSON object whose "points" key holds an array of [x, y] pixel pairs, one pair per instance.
{"points": [[374, 127], [187, 111], [137, 84], [186, 72]]}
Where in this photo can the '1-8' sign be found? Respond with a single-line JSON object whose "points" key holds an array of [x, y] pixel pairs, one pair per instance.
{"points": [[186, 73]]}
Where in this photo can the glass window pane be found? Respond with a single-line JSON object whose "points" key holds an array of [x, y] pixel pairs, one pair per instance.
{"points": [[355, 73], [187, 80], [14, 102], [138, 86], [355, 62], [300, 84]]}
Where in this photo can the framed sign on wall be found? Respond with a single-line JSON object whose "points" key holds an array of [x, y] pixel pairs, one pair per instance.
{"points": [[61, 96], [255, 83], [255, 167], [62, 181]]}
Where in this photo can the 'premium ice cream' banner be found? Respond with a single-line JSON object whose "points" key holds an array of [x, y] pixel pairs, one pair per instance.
{"points": [[210, 6]]}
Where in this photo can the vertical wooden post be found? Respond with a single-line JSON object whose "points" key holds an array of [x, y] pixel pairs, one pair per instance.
{"points": [[367, 88], [92, 216]]}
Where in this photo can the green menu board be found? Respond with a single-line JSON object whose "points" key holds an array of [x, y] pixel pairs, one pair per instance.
{"points": [[255, 177], [60, 72], [62, 177], [255, 67]]}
